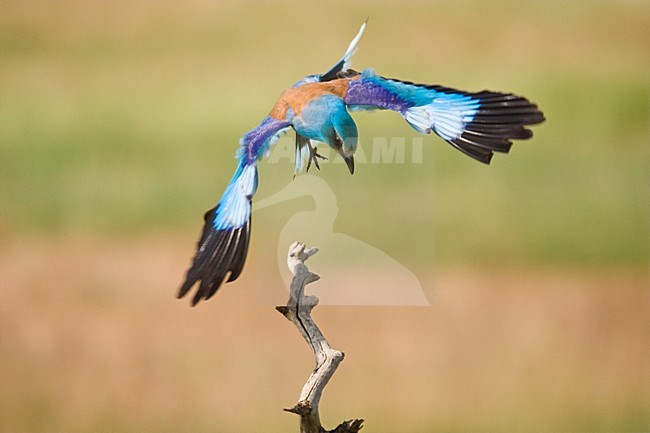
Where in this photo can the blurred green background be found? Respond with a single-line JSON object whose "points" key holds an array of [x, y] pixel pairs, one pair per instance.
{"points": [[118, 126]]}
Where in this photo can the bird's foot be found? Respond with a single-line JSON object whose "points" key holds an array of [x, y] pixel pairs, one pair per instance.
{"points": [[313, 157]]}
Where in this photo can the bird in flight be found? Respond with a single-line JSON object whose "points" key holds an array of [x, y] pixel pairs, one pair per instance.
{"points": [[318, 109]]}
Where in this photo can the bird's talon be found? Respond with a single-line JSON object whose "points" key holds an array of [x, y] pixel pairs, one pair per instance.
{"points": [[316, 163]]}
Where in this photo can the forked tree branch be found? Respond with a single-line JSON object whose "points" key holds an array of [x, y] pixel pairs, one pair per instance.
{"points": [[298, 311]]}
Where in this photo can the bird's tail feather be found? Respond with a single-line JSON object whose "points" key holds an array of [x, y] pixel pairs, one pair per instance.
{"points": [[302, 154], [344, 63], [223, 245]]}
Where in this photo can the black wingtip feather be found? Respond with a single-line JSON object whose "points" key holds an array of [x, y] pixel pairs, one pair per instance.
{"points": [[478, 153], [242, 251], [219, 253], [501, 118]]}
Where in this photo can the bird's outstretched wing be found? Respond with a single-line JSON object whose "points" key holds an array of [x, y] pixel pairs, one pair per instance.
{"points": [[223, 245], [478, 124], [305, 149]]}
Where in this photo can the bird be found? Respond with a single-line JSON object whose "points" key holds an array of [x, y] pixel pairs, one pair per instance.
{"points": [[317, 108]]}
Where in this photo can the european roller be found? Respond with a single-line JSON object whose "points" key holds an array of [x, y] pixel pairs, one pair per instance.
{"points": [[318, 109]]}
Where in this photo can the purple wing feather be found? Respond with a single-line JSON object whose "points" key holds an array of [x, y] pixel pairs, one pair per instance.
{"points": [[478, 124]]}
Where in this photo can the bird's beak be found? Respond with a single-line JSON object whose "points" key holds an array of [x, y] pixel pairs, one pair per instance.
{"points": [[349, 161]]}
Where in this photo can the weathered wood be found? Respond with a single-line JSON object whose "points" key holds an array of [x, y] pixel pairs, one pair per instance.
{"points": [[298, 311]]}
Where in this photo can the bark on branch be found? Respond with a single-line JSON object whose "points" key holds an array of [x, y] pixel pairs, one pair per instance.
{"points": [[298, 311]]}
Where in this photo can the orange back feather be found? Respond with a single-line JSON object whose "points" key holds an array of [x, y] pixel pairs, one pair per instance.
{"points": [[297, 98]]}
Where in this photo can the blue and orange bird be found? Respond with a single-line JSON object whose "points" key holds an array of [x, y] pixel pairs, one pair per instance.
{"points": [[318, 109]]}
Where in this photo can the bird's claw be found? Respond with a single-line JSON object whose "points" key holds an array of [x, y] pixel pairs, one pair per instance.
{"points": [[313, 157]]}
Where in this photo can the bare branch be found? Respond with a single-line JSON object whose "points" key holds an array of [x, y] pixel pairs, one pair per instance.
{"points": [[298, 311]]}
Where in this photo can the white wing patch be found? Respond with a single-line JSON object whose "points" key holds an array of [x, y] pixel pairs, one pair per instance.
{"points": [[447, 117]]}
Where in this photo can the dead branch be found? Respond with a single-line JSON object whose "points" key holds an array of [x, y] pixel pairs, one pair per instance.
{"points": [[298, 311]]}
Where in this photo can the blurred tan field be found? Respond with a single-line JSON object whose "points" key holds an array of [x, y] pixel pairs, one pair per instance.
{"points": [[94, 346], [118, 126]]}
